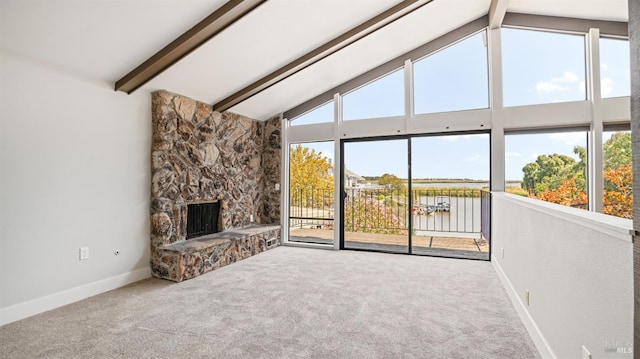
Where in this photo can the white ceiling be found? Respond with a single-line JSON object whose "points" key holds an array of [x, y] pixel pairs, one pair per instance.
{"points": [[270, 37], [105, 39], [98, 39], [614, 10]]}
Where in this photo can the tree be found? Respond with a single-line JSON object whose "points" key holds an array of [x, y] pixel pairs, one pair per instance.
{"points": [[370, 215], [309, 168], [567, 194], [579, 170], [392, 181], [310, 177], [618, 176], [560, 179], [548, 172], [617, 150], [619, 200]]}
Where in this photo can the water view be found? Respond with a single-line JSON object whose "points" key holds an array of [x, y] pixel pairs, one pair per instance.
{"points": [[478, 185]]}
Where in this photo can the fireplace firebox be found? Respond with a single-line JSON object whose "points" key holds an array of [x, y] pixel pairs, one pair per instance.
{"points": [[203, 219]]}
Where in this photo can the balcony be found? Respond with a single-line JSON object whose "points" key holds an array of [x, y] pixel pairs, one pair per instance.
{"points": [[442, 222]]}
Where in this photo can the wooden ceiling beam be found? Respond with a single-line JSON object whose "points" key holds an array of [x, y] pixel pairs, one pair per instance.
{"points": [[213, 24], [375, 23]]}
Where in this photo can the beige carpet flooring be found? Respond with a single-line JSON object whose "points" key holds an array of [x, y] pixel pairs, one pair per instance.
{"points": [[290, 303]]}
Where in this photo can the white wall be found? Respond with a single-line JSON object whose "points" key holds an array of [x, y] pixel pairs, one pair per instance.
{"points": [[577, 266], [74, 172]]}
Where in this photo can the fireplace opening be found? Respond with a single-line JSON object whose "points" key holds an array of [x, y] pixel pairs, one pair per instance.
{"points": [[203, 219]]}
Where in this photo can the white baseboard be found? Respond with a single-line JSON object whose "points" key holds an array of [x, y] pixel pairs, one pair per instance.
{"points": [[536, 335], [36, 306]]}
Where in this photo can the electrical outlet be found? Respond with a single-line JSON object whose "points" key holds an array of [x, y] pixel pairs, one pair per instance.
{"points": [[526, 296], [84, 253], [251, 218], [277, 186], [502, 253], [585, 353]]}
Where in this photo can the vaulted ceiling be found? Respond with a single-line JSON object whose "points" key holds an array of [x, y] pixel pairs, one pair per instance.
{"points": [[103, 40]]}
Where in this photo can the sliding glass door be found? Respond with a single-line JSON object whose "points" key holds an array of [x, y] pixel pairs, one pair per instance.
{"points": [[450, 183], [424, 195], [375, 195]]}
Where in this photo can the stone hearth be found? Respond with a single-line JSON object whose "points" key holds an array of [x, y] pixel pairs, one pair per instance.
{"points": [[204, 254], [202, 155]]}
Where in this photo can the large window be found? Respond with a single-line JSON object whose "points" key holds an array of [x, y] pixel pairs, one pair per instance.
{"points": [[381, 98], [453, 79], [320, 114], [614, 68], [548, 166], [311, 204], [550, 163], [553, 167], [542, 67]]}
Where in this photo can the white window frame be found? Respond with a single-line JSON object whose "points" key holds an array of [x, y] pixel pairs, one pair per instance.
{"points": [[594, 113]]}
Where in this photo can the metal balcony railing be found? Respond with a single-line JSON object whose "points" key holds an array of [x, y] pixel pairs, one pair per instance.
{"points": [[447, 210], [311, 208], [387, 211]]}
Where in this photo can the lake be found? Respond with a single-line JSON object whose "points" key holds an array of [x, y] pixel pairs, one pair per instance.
{"points": [[464, 215], [474, 185], [450, 185]]}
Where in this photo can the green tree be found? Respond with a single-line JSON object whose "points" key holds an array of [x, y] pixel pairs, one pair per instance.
{"points": [[392, 181], [310, 177], [617, 150], [579, 170], [618, 176], [548, 171], [561, 179]]}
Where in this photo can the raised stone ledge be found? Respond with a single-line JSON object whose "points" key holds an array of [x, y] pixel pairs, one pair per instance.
{"points": [[188, 259]]}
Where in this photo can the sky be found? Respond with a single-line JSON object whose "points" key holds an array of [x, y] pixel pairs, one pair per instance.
{"points": [[538, 67]]}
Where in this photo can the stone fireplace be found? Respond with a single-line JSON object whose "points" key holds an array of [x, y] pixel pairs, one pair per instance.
{"points": [[203, 156]]}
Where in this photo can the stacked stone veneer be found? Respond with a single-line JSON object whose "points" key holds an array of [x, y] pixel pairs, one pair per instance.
{"points": [[204, 254], [271, 166], [202, 155]]}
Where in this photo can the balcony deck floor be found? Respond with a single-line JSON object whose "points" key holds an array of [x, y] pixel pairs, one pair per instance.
{"points": [[440, 245]]}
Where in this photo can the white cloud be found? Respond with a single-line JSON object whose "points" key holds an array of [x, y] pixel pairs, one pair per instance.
{"points": [[557, 84], [569, 138], [512, 155], [567, 76], [604, 67], [548, 87], [582, 87], [606, 86], [473, 158]]}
